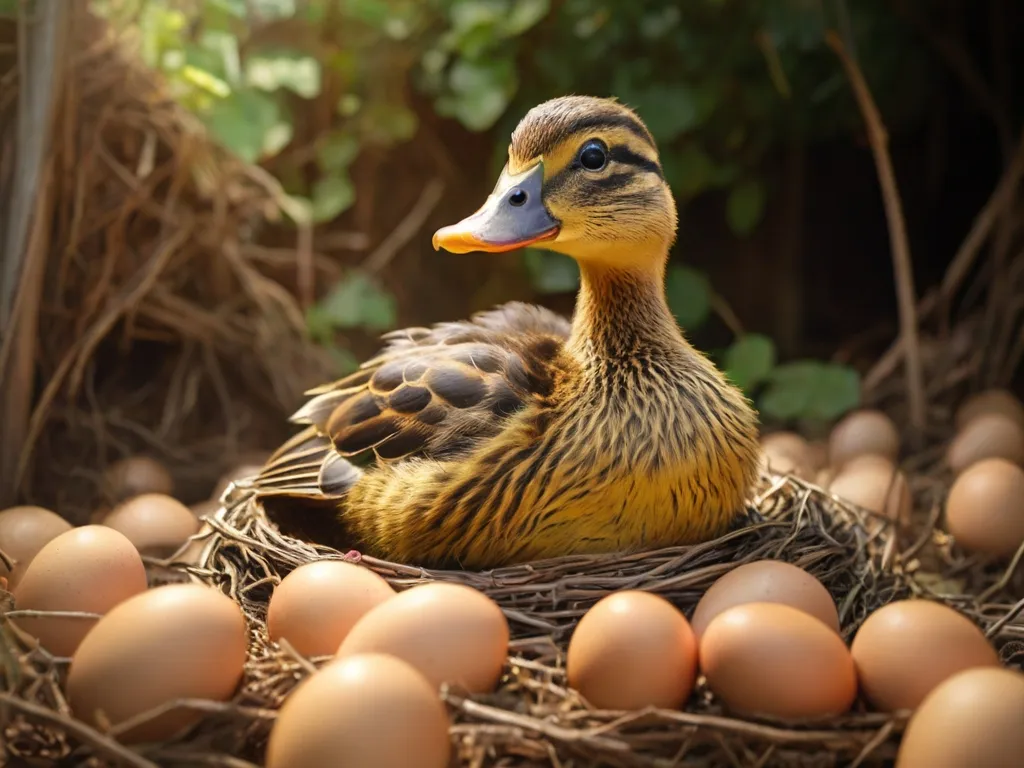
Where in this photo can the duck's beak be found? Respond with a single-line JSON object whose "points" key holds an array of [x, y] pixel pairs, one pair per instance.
{"points": [[513, 216]]}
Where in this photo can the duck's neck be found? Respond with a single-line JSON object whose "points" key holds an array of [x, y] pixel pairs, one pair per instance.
{"points": [[622, 312]]}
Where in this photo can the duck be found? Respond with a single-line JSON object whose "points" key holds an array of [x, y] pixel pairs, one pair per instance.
{"points": [[520, 435]]}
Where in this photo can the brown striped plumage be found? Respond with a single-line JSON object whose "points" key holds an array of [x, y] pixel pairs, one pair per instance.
{"points": [[515, 435]]}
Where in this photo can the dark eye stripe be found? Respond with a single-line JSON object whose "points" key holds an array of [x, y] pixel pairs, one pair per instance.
{"points": [[621, 154], [591, 122], [617, 154]]}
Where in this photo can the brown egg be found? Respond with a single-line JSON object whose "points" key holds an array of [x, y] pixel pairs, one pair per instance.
{"points": [[631, 650], [787, 453], [383, 714], [863, 432], [449, 632], [205, 509], [135, 475], [874, 483], [747, 652], [23, 532], [817, 454], [974, 718], [997, 402], [241, 472], [985, 508], [766, 581], [989, 436], [156, 524], [316, 605], [89, 569], [173, 642], [906, 648]]}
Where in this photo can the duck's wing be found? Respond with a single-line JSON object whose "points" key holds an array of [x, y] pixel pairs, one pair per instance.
{"points": [[431, 392]]}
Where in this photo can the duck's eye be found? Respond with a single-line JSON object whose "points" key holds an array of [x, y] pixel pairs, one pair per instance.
{"points": [[517, 198], [592, 156]]}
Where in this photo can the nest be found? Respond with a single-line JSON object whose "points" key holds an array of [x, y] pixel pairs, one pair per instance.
{"points": [[157, 325], [532, 718]]}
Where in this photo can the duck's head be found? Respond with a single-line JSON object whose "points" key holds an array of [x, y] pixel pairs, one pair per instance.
{"points": [[582, 178]]}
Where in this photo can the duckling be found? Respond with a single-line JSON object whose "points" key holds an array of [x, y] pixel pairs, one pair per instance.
{"points": [[516, 435]]}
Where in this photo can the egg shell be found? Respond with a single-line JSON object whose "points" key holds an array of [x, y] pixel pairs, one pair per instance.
{"points": [[156, 524], [316, 605], [985, 508], [204, 509], [787, 453], [382, 714], [89, 569], [774, 660], [999, 402], [451, 633], [876, 484], [906, 648], [135, 475], [631, 650], [974, 718], [23, 532], [766, 581], [987, 436], [172, 642], [863, 432]]}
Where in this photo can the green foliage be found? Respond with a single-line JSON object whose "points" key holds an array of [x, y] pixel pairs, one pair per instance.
{"points": [[689, 296], [803, 389], [719, 82]]}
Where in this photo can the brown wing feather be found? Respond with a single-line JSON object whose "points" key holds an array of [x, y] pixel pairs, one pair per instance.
{"points": [[430, 393]]}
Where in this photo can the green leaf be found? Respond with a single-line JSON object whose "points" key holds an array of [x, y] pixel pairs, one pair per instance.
{"points": [[551, 272], [525, 14], [811, 390], [355, 302], [242, 122], [689, 296], [332, 195], [337, 151], [271, 72], [745, 206], [481, 91], [749, 360]]}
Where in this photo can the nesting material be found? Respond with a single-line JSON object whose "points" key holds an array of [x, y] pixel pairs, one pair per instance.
{"points": [[532, 714]]}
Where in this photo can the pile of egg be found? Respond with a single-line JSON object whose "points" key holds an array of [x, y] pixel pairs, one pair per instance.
{"points": [[764, 639], [984, 509]]}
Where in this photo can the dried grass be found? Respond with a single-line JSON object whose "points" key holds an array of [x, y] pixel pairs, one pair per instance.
{"points": [[160, 329], [532, 719]]}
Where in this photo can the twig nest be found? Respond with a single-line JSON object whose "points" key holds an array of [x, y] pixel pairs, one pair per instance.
{"points": [[632, 650], [876, 484], [766, 581], [863, 432], [90, 569], [747, 652], [985, 508], [364, 711], [241, 472], [451, 633], [135, 475], [986, 436], [172, 642], [974, 718], [908, 647], [156, 524], [990, 402], [316, 605], [23, 532]]}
